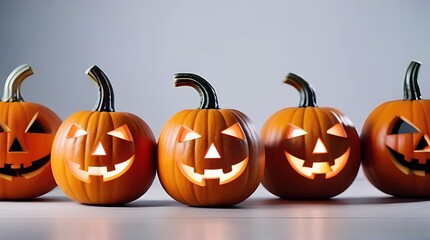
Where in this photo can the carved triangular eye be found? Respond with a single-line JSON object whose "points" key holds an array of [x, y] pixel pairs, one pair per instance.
{"points": [[403, 126], [122, 132], [4, 128], [186, 134], [34, 126], [294, 131], [76, 131], [337, 130], [235, 131]]}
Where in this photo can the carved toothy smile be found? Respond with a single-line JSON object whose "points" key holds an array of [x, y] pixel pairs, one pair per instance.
{"points": [[8, 171], [318, 167], [84, 176], [418, 166], [224, 178]]}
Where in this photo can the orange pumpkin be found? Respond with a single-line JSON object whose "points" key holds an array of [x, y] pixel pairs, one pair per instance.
{"points": [[103, 157], [311, 151], [209, 156], [396, 142], [26, 133]]}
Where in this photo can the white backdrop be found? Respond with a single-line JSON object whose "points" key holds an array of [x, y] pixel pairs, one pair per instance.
{"points": [[354, 53]]}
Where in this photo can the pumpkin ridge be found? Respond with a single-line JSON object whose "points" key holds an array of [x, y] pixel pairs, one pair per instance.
{"points": [[422, 105], [252, 137], [191, 117]]}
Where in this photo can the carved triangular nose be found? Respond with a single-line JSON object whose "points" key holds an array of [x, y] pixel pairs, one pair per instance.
{"points": [[99, 150], [212, 152], [16, 146], [320, 147]]}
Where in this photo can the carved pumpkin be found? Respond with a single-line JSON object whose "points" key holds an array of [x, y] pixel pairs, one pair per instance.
{"points": [[103, 157], [395, 139], [311, 151], [26, 133], [209, 156]]}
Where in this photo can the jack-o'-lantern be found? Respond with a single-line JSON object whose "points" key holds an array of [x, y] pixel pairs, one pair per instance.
{"points": [[311, 151], [103, 157], [209, 156], [395, 139], [26, 133]]}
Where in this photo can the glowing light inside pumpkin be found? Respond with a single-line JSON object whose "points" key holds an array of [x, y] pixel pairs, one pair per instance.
{"points": [[84, 176], [294, 131], [199, 179], [122, 132], [99, 150], [212, 152], [235, 131], [337, 130], [318, 167], [186, 134], [76, 131], [319, 147]]}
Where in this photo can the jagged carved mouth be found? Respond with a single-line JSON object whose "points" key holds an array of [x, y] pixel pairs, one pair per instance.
{"points": [[420, 168], [318, 167], [8, 171], [84, 176], [199, 179]]}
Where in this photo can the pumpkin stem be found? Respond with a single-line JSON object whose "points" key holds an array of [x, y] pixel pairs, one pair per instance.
{"points": [[411, 90], [208, 97], [12, 86], [306, 91], [106, 97]]}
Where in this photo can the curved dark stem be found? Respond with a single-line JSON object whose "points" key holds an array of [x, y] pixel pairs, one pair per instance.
{"points": [[12, 86], [306, 91], [106, 96], [411, 90], [208, 97]]}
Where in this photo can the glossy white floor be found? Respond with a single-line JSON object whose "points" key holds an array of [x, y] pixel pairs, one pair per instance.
{"points": [[361, 212]]}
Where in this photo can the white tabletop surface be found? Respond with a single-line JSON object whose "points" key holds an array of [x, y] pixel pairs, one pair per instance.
{"points": [[361, 212]]}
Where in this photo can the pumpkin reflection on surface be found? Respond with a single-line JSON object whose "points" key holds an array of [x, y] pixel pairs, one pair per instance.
{"points": [[395, 139], [26, 133], [103, 157], [209, 156], [311, 151]]}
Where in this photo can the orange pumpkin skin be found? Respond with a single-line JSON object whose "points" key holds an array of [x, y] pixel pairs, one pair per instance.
{"points": [[177, 151], [297, 133], [127, 187], [395, 140], [104, 157], [27, 132]]}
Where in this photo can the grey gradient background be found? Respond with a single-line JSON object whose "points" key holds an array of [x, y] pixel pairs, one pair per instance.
{"points": [[354, 53]]}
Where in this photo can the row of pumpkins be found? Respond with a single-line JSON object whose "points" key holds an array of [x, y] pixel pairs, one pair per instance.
{"points": [[210, 156]]}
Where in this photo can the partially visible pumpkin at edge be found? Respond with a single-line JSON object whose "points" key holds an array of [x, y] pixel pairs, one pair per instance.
{"points": [[26, 133]]}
